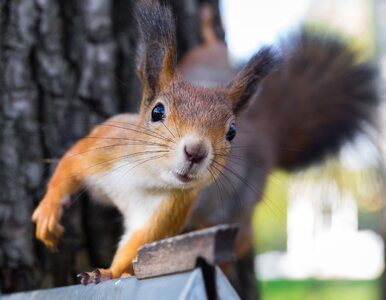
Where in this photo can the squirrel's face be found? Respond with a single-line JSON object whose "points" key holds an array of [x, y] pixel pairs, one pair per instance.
{"points": [[193, 128]]}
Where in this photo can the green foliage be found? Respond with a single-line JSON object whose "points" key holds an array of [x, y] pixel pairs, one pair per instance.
{"points": [[319, 290], [270, 217]]}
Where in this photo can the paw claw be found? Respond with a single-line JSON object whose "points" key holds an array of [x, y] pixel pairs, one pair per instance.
{"points": [[96, 276], [84, 278]]}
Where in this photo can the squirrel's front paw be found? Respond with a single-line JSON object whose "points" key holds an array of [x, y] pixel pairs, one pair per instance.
{"points": [[96, 276], [48, 229]]}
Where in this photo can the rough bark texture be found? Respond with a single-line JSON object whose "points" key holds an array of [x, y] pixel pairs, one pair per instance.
{"points": [[64, 66]]}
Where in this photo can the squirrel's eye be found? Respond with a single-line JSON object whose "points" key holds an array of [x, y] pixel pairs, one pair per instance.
{"points": [[158, 113], [231, 132]]}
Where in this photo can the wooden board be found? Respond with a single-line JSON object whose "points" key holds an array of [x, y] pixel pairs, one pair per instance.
{"points": [[180, 253]]}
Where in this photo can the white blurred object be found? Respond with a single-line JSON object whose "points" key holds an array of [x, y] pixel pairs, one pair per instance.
{"points": [[351, 16], [250, 24], [323, 238]]}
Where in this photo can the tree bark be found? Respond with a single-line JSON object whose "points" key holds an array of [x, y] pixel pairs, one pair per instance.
{"points": [[64, 67]]}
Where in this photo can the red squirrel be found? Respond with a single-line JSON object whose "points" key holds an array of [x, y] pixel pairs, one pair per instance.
{"points": [[152, 165], [317, 99]]}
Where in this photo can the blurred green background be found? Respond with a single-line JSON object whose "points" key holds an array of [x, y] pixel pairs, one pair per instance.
{"points": [[358, 22], [271, 235]]}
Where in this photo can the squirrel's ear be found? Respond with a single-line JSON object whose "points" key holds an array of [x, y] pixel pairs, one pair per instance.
{"points": [[156, 57], [156, 53], [247, 81]]}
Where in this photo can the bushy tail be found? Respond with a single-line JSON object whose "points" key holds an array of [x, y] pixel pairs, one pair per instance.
{"points": [[319, 98]]}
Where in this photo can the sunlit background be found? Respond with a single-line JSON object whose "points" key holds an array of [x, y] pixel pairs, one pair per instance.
{"points": [[318, 233]]}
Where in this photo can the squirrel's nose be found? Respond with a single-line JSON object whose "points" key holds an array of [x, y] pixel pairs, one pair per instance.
{"points": [[195, 152]]}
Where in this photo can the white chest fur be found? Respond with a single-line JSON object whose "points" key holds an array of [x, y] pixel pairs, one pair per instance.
{"points": [[126, 189]]}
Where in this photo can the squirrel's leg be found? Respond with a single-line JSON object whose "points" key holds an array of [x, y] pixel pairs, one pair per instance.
{"points": [[87, 157], [121, 264], [49, 211], [167, 221]]}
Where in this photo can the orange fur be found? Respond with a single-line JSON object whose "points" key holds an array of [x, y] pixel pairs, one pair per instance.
{"points": [[79, 162], [168, 221]]}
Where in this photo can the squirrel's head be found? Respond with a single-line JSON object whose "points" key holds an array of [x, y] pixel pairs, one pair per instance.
{"points": [[191, 127]]}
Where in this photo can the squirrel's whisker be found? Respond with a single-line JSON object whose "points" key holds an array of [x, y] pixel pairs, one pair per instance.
{"points": [[141, 161], [233, 196], [124, 139], [219, 198], [247, 162], [126, 156], [138, 126], [84, 190], [167, 128], [289, 149], [102, 163], [113, 146], [256, 191], [138, 131]]}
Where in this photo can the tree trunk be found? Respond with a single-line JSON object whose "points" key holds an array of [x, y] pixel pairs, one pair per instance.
{"points": [[64, 67]]}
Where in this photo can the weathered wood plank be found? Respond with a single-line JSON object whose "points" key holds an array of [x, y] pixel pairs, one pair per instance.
{"points": [[178, 254]]}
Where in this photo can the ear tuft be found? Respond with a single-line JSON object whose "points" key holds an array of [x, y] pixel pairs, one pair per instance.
{"points": [[156, 51], [247, 81]]}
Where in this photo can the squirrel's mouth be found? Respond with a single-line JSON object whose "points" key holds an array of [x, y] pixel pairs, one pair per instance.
{"points": [[185, 178]]}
